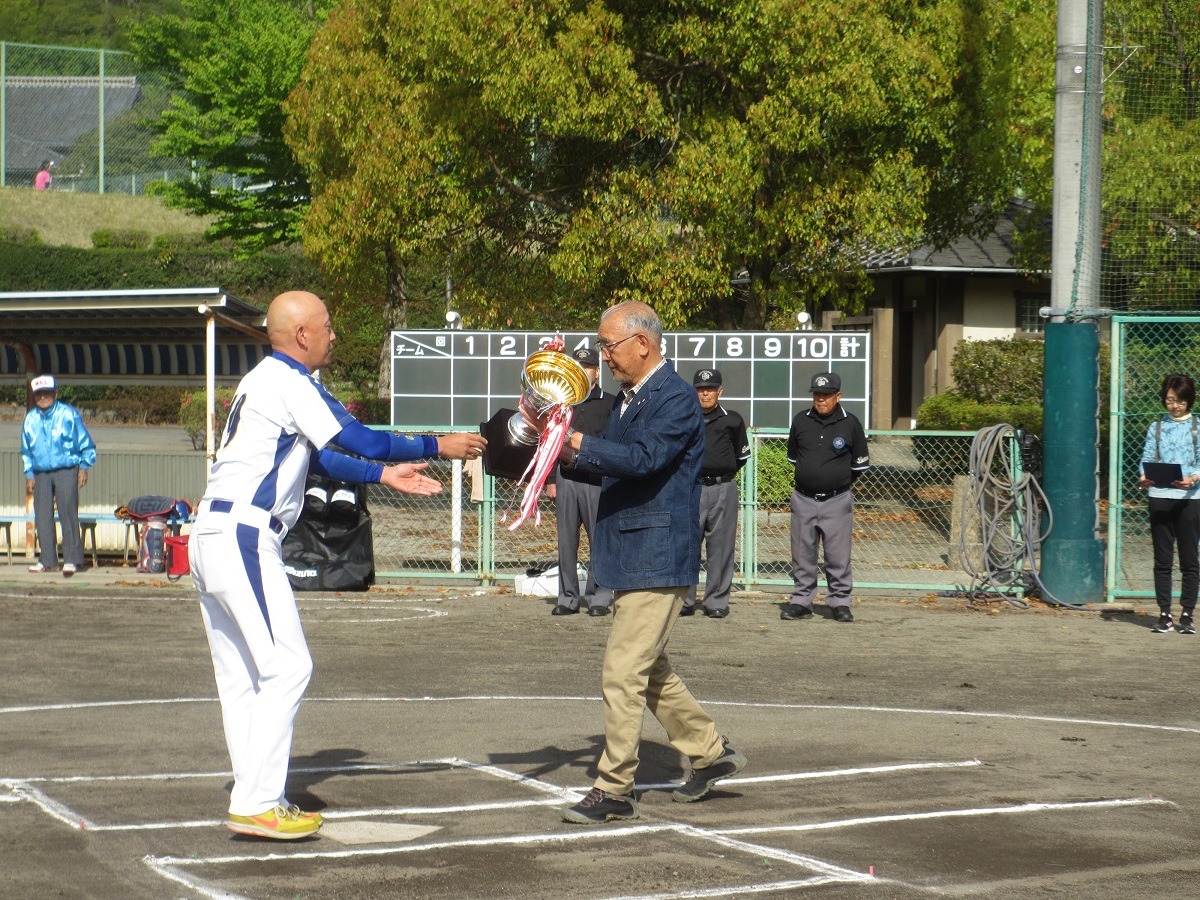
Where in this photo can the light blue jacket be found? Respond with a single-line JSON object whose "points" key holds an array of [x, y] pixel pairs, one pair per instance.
{"points": [[55, 439], [1173, 442]]}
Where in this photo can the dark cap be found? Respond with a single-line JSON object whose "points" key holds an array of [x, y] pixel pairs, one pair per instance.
{"points": [[706, 378], [825, 383], [586, 356]]}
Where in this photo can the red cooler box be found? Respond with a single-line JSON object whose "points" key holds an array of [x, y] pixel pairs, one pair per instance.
{"points": [[177, 555]]}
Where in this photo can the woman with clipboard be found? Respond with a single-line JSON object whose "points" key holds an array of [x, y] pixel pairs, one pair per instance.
{"points": [[1171, 470]]}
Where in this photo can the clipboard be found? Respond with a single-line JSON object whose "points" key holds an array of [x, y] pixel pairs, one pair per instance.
{"points": [[1162, 474]]}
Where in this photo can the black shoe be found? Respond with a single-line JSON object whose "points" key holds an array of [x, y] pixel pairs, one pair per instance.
{"points": [[561, 610], [598, 807], [730, 762], [1164, 625], [795, 611], [688, 611], [597, 610], [842, 614], [716, 613], [1186, 625]]}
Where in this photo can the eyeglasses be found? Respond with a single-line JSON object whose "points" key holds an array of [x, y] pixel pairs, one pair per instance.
{"points": [[607, 346], [1171, 401]]}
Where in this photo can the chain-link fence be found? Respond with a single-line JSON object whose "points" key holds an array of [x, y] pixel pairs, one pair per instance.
{"points": [[1144, 351], [89, 115], [1151, 139], [902, 521]]}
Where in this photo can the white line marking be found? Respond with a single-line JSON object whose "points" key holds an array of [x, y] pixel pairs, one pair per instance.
{"points": [[563, 837], [740, 890], [165, 870], [1017, 717], [827, 773], [105, 704], [433, 614], [946, 814], [51, 807]]}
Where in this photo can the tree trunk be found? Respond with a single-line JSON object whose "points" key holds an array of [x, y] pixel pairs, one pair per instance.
{"points": [[395, 317]]}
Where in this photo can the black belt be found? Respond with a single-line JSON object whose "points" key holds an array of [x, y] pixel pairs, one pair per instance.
{"points": [[821, 498], [225, 506], [710, 480]]}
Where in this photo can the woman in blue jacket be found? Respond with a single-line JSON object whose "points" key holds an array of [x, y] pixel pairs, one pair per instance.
{"points": [[1175, 509]]}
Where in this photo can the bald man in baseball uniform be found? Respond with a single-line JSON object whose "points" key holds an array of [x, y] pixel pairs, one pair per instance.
{"points": [[281, 425]]}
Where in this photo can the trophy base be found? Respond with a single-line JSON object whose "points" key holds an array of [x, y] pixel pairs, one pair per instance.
{"points": [[503, 457], [520, 433]]}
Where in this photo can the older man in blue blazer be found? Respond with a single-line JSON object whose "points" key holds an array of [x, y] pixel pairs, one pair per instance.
{"points": [[647, 551]]}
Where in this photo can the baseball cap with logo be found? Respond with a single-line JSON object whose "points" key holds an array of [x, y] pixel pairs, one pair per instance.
{"points": [[826, 383], [586, 356], [709, 378], [42, 383]]}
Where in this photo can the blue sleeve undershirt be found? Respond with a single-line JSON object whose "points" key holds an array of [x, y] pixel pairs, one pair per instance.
{"points": [[363, 441]]}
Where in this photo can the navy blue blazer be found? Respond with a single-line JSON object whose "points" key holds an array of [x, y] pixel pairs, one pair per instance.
{"points": [[647, 532]]}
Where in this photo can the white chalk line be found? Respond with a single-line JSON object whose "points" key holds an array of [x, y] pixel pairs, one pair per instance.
{"points": [[739, 890], [432, 614], [824, 773], [515, 698], [200, 887], [947, 814]]}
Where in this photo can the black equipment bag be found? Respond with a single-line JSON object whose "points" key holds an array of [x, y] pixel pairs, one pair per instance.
{"points": [[330, 548]]}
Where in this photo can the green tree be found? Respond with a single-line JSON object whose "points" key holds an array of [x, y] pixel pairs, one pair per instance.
{"points": [[77, 23], [231, 63], [554, 155], [1151, 184]]}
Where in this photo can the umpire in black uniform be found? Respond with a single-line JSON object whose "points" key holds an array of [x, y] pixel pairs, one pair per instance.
{"points": [[576, 495], [726, 449], [828, 447]]}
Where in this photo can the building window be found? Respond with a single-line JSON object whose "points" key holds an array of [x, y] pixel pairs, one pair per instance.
{"points": [[1028, 320]]}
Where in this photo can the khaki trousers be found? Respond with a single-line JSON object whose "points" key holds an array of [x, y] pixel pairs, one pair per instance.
{"points": [[637, 675]]}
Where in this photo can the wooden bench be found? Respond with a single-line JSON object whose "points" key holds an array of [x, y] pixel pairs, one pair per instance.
{"points": [[87, 527]]}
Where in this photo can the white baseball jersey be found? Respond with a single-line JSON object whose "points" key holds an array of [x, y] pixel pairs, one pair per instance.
{"points": [[279, 414]]}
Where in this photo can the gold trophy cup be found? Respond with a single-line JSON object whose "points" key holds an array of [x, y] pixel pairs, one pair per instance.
{"points": [[550, 379]]}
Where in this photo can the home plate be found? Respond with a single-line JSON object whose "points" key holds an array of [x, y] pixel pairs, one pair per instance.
{"points": [[375, 832]]}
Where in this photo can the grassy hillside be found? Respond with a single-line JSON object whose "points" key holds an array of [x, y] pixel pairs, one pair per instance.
{"points": [[65, 218]]}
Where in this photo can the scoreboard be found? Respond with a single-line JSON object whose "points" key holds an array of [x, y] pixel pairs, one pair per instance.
{"points": [[457, 379]]}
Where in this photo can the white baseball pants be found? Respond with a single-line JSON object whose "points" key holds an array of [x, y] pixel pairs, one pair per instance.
{"points": [[259, 654]]}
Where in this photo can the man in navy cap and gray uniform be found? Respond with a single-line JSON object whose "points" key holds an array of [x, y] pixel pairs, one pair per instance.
{"points": [[726, 449], [828, 447], [576, 495]]}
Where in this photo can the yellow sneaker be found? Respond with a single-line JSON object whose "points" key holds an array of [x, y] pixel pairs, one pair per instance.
{"points": [[279, 823]]}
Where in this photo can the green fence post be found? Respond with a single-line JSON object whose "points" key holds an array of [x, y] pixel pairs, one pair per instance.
{"points": [[101, 92], [1072, 564], [3, 113]]}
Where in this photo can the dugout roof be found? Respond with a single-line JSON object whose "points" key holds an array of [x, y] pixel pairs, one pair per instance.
{"points": [[130, 337]]}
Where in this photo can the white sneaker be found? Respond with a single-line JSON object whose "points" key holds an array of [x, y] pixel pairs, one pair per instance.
{"points": [[68, 570], [38, 567]]}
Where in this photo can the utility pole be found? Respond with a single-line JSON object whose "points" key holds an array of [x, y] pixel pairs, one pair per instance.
{"points": [[1072, 562]]}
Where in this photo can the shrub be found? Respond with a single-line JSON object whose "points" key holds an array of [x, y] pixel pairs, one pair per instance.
{"points": [[951, 412], [999, 371], [776, 476], [19, 234], [121, 239], [192, 411]]}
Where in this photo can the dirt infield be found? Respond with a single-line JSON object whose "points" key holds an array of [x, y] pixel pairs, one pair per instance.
{"points": [[925, 749]]}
